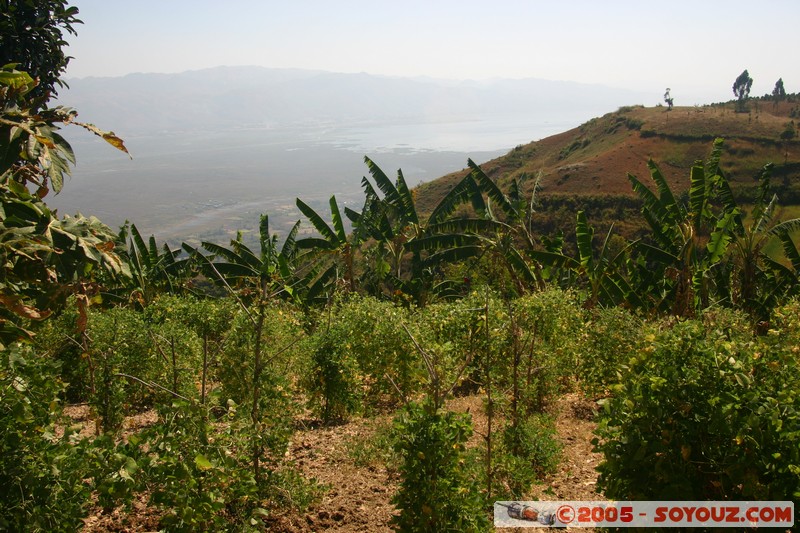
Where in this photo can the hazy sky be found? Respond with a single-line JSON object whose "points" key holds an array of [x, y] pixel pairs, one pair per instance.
{"points": [[697, 47]]}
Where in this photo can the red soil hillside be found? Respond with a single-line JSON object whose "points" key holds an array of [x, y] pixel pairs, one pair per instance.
{"points": [[595, 158]]}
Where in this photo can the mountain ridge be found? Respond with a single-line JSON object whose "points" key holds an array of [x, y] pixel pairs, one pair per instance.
{"points": [[229, 97]]}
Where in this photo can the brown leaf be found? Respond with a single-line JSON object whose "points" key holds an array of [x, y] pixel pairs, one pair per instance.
{"points": [[45, 141], [105, 246], [116, 142], [108, 136], [83, 317], [15, 305]]}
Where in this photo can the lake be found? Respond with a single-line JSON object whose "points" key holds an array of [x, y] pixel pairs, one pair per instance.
{"points": [[206, 185]]}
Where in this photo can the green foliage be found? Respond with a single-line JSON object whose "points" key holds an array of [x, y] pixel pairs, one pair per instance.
{"points": [[704, 413], [32, 35], [572, 147], [779, 92], [527, 452], [42, 473], [789, 132], [359, 349], [741, 89], [44, 259], [280, 335], [548, 322], [153, 270], [455, 332], [610, 338], [188, 467], [334, 381], [124, 346], [435, 494]]}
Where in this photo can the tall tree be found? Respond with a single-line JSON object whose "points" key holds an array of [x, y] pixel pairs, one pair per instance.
{"points": [[779, 92], [741, 89], [32, 35], [668, 99]]}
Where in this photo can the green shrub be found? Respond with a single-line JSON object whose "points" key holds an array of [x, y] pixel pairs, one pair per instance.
{"points": [[548, 324], [271, 416], [282, 352], [360, 347], [126, 350], [703, 415], [57, 338], [611, 337], [42, 474], [527, 452], [455, 332], [334, 381], [436, 493]]}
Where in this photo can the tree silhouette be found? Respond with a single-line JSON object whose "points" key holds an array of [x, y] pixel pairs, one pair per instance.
{"points": [[741, 89], [779, 92], [668, 99]]}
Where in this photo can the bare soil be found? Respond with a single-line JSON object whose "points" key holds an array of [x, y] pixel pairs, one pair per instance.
{"points": [[357, 496]]}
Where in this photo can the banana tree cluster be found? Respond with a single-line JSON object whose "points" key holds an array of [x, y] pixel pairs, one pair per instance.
{"points": [[702, 248], [695, 247]]}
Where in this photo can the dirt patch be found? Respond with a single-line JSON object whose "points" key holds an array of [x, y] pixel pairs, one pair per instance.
{"points": [[357, 498]]}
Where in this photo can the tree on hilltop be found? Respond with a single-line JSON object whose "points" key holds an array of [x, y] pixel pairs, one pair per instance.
{"points": [[779, 92], [741, 89], [668, 99]]}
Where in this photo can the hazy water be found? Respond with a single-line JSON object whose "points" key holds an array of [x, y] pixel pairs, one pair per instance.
{"points": [[209, 184]]}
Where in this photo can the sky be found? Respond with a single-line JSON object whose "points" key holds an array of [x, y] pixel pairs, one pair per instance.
{"points": [[697, 48]]}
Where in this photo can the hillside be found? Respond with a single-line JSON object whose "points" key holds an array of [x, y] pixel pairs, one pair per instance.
{"points": [[588, 165]]}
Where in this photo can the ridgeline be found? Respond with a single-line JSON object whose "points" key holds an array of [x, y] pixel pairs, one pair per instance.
{"points": [[587, 167]]}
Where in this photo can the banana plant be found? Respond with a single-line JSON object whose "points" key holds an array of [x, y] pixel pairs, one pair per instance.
{"points": [[760, 280], [258, 276], [153, 269], [511, 241], [688, 242], [416, 249], [607, 284], [445, 239], [333, 243]]}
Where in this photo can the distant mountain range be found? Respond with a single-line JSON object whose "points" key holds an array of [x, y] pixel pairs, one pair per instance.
{"points": [[255, 97]]}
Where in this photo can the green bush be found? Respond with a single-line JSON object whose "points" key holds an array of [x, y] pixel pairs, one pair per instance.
{"points": [[190, 472], [56, 338], [126, 350], [119, 343], [42, 474], [527, 452], [455, 332], [548, 324], [359, 348], [282, 352], [611, 337], [334, 382], [436, 493], [706, 413]]}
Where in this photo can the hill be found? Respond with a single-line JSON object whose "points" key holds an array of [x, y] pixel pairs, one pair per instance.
{"points": [[587, 167]]}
